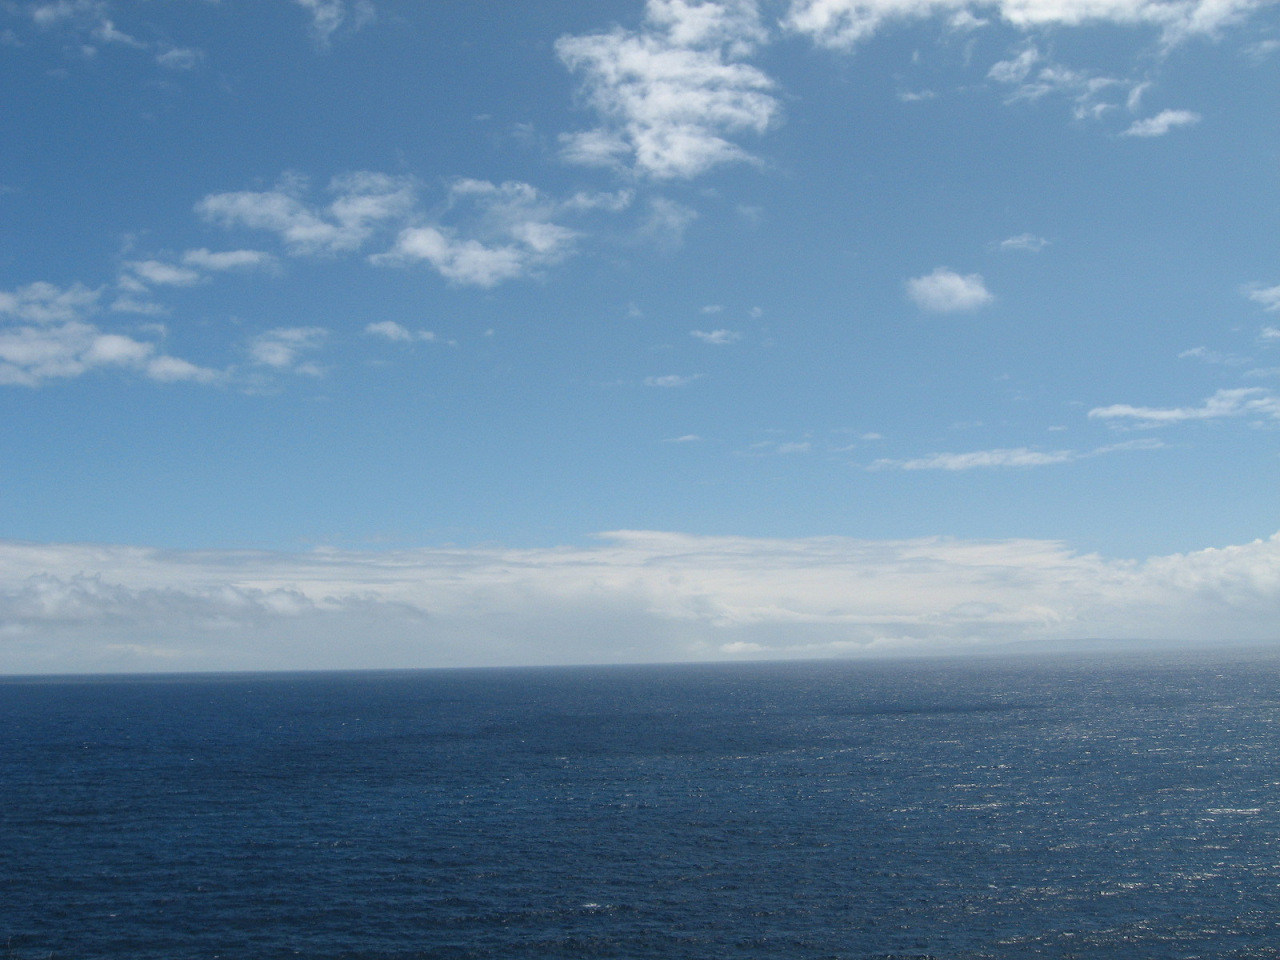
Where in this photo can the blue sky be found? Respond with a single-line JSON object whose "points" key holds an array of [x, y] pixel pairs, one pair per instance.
{"points": [[403, 334]]}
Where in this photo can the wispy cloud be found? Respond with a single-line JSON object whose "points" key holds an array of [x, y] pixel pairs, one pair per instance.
{"points": [[1027, 242], [945, 291], [717, 338], [1031, 77], [1267, 297], [219, 261], [1006, 457], [397, 333], [283, 348], [329, 16], [1238, 402], [1162, 123], [670, 94], [843, 24], [671, 380]]}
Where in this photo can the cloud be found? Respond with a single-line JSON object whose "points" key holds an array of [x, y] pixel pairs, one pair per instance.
{"points": [[179, 58], [665, 223], [328, 16], [30, 355], [843, 24], [717, 338], [158, 273], [222, 260], [44, 303], [506, 233], [282, 348], [1027, 242], [670, 380], [1268, 297], [390, 330], [945, 291], [1006, 457], [670, 94], [362, 202], [1239, 402], [1162, 123], [88, 17], [1033, 78], [631, 596], [1206, 355]]}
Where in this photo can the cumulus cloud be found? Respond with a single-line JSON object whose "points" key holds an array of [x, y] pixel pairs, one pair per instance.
{"points": [[1162, 123], [631, 596], [945, 291], [1238, 402], [48, 336], [361, 203], [506, 232], [30, 355], [671, 94]]}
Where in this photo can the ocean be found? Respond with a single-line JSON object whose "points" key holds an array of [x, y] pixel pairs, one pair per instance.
{"points": [[1084, 807]]}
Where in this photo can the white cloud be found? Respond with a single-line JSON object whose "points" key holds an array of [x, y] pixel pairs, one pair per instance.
{"points": [[30, 355], [1212, 356], [90, 18], [158, 273], [328, 16], [1007, 457], [390, 330], [42, 302], [362, 202], [1162, 123], [179, 58], [945, 291], [1028, 242], [843, 24], [633, 596], [716, 337], [1033, 78], [687, 438], [507, 233], [220, 260], [1268, 297], [670, 94], [282, 348], [1238, 402]]}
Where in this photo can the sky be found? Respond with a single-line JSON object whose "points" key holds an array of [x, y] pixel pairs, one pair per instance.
{"points": [[381, 333]]}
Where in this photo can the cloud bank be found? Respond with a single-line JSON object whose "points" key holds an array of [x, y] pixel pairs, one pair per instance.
{"points": [[632, 596]]}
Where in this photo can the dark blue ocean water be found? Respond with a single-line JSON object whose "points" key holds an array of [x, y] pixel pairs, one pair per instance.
{"points": [[1101, 807]]}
